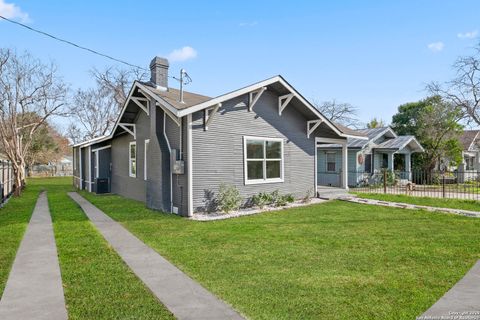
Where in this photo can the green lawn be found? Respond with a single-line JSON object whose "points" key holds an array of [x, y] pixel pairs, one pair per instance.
{"points": [[472, 205], [97, 283], [14, 217], [335, 260]]}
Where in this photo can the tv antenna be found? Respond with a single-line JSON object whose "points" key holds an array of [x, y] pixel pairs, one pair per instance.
{"points": [[184, 80]]}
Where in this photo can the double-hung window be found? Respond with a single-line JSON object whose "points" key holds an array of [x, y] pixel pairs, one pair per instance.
{"points": [[132, 159], [263, 160], [331, 161]]}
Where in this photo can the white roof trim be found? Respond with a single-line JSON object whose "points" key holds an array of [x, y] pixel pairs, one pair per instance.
{"points": [[258, 85], [91, 141], [471, 143]]}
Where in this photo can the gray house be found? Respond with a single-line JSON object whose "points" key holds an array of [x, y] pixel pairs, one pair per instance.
{"points": [[172, 149], [383, 149]]}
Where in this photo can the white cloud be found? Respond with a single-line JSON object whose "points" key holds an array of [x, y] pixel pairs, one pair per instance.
{"points": [[248, 24], [436, 46], [468, 35], [12, 11], [182, 54]]}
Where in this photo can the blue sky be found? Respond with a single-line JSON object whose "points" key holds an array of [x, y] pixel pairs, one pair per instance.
{"points": [[375, 55]]}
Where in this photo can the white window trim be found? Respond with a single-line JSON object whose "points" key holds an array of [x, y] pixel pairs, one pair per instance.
{"points": [[326, 161], [245, 169], [147, 142], [133, 175]]}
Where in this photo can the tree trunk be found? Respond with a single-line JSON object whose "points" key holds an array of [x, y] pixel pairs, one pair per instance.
{"points": [[19, 177]]}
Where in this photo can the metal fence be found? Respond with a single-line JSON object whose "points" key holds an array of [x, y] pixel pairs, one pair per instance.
{"points": [[421, 183], [6, 180]]}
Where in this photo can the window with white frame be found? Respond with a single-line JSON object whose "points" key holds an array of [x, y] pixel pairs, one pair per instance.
{"points": [[263, 160], [331, 161], [147, 142], [132, 159]]}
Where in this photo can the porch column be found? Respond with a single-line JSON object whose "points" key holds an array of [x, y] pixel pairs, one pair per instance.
{"points": [[344, 165], [390, 161], [408, 166]]}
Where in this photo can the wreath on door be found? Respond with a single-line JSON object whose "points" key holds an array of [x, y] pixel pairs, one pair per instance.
{"points": [[360, 159]]}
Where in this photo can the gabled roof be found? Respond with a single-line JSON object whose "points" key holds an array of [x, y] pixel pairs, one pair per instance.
{"points": [[371, 134], [399, 143], [193, 102], [393, 143], [468, 138]]}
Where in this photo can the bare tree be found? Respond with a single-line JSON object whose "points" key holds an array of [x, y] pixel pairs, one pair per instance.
{"points": [[117, 82], [27, 86], [463, 91], [343, 113], [95, 110]]}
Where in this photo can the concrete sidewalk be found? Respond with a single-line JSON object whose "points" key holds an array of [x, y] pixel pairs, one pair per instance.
{"points": [[34, 287], [184, 297], [462, 299]]}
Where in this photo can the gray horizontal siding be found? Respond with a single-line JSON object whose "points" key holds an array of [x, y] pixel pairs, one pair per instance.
{"points": [[218, 152], [122, 183]]}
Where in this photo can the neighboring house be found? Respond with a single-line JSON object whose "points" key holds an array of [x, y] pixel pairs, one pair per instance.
{"points": [[471, 150], [173, 153], [61, 168], [384, 149]]}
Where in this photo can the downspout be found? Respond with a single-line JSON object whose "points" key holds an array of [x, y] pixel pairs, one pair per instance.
{"points": [[170, 153], [189, 166]]}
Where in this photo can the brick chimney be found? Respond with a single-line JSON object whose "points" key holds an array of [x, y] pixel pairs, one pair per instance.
{"points": [[159, 72]]}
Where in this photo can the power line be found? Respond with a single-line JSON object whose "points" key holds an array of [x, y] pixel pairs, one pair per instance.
{"points": [[72, 44]]}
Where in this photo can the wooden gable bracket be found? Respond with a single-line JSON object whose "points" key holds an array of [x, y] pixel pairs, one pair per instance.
{"points": [[310, 128], [209, 113], [283, 101], [140, 102], [254, 96], [130, 128]]}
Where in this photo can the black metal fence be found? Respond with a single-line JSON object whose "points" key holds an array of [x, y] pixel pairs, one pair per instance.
{"points": [[6, 180], [421, 183]]}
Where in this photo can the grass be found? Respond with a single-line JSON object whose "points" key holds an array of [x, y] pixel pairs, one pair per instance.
{"points": [[97, 283], [335, 260], [14, 217], [472, 205]]}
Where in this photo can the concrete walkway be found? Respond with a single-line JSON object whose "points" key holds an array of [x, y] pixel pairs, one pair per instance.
{"points": [[34, 287], [402, 205], [462, 301], [185, 298]]}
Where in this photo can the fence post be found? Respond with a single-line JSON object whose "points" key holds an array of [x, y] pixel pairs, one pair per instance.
{"points": [[384, 181], [443, 185]]}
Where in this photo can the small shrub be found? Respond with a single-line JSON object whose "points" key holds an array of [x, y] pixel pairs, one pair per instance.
{"points": [[228, 198], [275, 195], [308, 196], [289, 198], [262, 199]]}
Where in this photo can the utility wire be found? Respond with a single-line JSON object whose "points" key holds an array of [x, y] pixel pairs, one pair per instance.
{"points": [[72, 44]]}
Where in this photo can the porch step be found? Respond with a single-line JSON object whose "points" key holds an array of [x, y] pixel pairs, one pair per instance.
{"points": [[331, 193]]}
